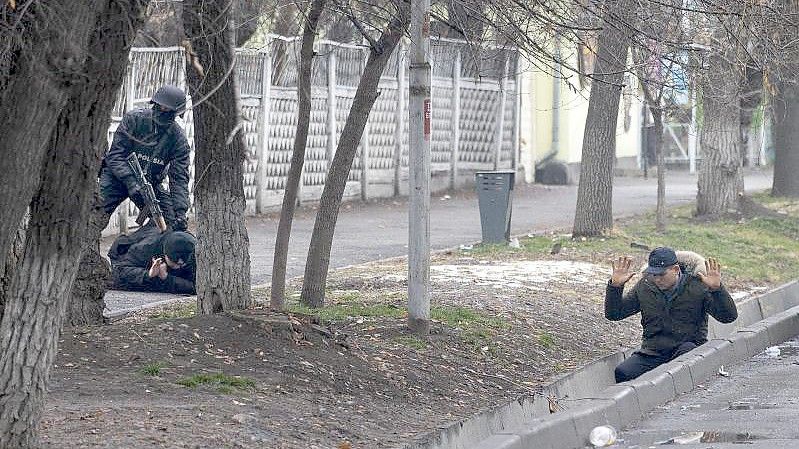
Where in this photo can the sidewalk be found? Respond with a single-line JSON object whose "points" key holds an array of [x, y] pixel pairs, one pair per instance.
{"points": [[379, 229]]}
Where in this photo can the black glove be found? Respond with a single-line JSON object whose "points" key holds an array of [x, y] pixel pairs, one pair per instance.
{"points": [[137, 199], [180, 224]]}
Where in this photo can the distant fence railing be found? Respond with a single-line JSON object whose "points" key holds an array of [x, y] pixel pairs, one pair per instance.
{"points": [[474, 123]]}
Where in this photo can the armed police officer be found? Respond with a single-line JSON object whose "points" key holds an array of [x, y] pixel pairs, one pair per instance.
{"points": [[162, 149]]}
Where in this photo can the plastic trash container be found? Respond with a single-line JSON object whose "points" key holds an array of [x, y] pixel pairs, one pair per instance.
{"points": [[495, 197]]}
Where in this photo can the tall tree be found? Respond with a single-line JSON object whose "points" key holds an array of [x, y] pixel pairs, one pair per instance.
{"points": [[223, 259], [317, 264], [654, 101], [298, 154], [594, 213], [656, 61], [721, 174], [785, 106], [38, 288], [784, 73], [44, 49]]}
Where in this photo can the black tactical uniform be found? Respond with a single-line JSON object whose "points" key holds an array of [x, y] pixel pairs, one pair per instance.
{"points": [[162, 149], [132, 255]]}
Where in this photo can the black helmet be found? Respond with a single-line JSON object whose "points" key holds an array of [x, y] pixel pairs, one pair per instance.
{"points": [[170, 97]]}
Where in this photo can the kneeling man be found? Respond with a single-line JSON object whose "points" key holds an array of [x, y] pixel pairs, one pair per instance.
{"points": [[674, 305]]}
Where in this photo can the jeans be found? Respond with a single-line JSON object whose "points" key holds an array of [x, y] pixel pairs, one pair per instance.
{"points": [[639, 363]]}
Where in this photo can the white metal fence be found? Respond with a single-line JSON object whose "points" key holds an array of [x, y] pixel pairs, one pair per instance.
{"points": [[474, 123]]}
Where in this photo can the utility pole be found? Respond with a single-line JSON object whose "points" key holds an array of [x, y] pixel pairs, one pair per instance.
{"points": [[420, 111]]}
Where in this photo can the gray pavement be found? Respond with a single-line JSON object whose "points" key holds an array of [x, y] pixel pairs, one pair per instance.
{"points": [[379, 229], [756, 406]]}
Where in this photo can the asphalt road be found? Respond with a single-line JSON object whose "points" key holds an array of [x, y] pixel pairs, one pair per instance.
{"points": [[379, 229], [754, 407]]}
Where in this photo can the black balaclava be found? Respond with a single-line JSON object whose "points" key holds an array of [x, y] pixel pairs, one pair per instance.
{"points": [[179, 246], [163, 118]]}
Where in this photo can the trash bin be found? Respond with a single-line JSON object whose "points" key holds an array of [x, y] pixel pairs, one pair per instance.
{"points": [[494, 195]]}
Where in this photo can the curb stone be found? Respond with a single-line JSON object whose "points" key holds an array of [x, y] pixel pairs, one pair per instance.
{"points": [[620, 404]]}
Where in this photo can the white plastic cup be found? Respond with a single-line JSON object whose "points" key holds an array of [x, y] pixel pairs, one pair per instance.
{"points": [[602, 436]]}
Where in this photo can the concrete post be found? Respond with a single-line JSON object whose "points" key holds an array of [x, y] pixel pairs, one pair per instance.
{"points": [[517, 111], [420, 110], [263, 132], [399, 117], [693, 133], [455, 121], [331, 105], [500, 121], [365, 143]]}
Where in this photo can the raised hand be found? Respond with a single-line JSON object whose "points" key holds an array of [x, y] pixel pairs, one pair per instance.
{"points": [[712, 276], [621, 271]]}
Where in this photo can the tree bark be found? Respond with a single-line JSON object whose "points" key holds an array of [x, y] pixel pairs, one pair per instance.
{"points": [[297, 157], [87, 297], [316, 266], [785, 103], [47, 63], [594, 213], [12, 259], [38, 290], [223, 259], [786, 140], [721, 175], [660, 209]]}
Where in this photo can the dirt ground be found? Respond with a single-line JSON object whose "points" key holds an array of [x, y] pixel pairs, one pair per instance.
{"points": [[504, 325]]}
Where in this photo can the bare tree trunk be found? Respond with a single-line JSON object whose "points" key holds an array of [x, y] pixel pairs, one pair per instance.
{"points": [[38, 292], [721, 174], [785, 104], [653, 94], [660, 210], [313, 289], [297, 157], [223, 259], [47, 63], [786, 140], [87, 297], [594, 213]]}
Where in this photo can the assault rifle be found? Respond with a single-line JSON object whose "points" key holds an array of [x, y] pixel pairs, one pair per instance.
{"points": [[151, 203]]}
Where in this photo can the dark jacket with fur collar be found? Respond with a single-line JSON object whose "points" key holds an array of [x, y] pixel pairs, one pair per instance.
{"points": [[669, 322]]}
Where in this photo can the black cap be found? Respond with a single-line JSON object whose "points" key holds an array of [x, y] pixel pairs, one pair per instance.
{"points": [[179, 247], [660, 259]]}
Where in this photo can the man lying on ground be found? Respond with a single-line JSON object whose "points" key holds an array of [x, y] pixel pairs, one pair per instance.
{"points": [[148, 260], [674, 303]]}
